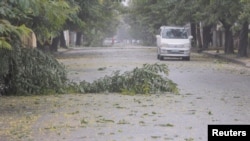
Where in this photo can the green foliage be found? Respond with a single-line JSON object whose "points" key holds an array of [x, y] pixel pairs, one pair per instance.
{"points": [[101, 17], [224, 11], [145, 17], [97, 19], [49, 17], [45, 17], [245, 14], [30, 71], [4, 44], [149, 79], [10, 34]]}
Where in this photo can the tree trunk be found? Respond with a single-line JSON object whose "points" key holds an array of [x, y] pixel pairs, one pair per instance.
{"points": [[242, 51], [78, 38], [39, 45], [220, 38], [193, 33], [62, 40], [229, 43], [54, 45], [198, 33], [45, 47], [207, 36]]}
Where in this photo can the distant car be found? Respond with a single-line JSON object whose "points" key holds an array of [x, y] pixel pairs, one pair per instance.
{"points": [[109, 41], [173, 41]]}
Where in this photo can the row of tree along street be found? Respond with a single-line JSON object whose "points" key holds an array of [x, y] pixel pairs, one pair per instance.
{"points": [[232, 16], [94, 20], [26, 71], [23, 22]]}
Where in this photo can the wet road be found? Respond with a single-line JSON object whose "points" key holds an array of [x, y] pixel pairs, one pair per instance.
{"points": [[212, 91]]}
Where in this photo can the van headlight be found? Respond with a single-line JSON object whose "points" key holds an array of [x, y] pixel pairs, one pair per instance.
{"points": [[187, 45], [164, 45], [163, 51], [187, 51]]}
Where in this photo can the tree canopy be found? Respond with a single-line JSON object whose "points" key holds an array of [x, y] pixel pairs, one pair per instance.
{"points": [[145, 17], [30, 71], [47, 18], [101, 17], [44, 17]]}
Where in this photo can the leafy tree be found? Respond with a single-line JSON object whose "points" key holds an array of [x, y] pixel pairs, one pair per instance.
{"points": [[188, 12], [45, 17], [100, 18], [145, 18], [227, 13], [243, 40], [26, 71], [244, 18], [50, 19], [10, 33], [29, 71]]}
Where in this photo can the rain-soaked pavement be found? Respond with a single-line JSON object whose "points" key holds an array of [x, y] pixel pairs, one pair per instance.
{"points": [[211, 92]]}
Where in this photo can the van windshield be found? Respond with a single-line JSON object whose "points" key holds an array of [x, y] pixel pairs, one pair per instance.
{"points": [[174, 34]]}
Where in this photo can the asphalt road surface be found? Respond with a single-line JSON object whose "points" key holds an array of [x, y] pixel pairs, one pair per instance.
{"points": [[212, 92]]}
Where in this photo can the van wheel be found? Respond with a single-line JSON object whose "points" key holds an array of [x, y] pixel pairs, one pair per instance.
{"points": [[159, 57], [186, 58]]}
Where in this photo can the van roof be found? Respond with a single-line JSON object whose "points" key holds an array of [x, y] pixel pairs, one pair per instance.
{"points": [[172, 27]]}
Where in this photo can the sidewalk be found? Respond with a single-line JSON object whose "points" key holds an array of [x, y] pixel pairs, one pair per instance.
{"points": [[232, 57]]}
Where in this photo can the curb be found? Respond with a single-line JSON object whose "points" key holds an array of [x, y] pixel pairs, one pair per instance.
{"points": [[61, 52], [233, 60]]}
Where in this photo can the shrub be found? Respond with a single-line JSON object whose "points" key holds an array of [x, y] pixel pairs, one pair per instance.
{"points": [[151, 78], [30, 71]]}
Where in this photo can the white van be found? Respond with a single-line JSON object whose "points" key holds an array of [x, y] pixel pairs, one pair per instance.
{"points": [[173, 41]]}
